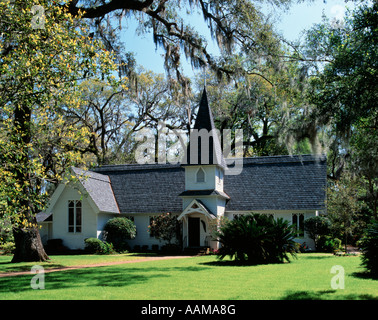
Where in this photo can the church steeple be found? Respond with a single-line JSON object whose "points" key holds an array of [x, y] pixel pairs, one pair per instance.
{"points": [[204, 119], [203, 197], [204, 139]]}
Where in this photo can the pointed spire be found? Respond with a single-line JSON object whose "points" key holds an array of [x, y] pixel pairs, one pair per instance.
{"points": [[204, 120]]}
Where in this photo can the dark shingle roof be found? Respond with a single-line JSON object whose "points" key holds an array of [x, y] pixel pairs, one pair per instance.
{"points": [[44, 217], [209, 192], [147, 188], [278, 183], [99, 188], [266, 183]]}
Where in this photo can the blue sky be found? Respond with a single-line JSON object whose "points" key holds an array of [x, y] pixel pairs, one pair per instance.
{"points": [[290, 23]]}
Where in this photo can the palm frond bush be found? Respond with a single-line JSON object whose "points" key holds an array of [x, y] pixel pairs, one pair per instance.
{"points": [[256, 239]]}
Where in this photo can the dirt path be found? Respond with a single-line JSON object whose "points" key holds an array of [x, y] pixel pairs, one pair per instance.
{"points": [[18, 273]]}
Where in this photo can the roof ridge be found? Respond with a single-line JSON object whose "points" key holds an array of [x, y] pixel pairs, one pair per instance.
{"points": [[93, 174], [156, 165]]}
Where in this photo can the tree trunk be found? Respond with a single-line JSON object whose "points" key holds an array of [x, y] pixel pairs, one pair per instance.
{"points": [[27, 239], [29, 245]]}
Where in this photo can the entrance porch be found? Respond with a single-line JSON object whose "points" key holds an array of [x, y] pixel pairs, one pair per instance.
{"points": [[198, 223]]}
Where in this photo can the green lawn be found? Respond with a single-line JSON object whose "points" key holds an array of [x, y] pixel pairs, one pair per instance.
{"points": [[69, 260], [202, 278]]}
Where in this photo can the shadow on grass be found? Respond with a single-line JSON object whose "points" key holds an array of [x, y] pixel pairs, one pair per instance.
{"points": [[6, 267], [92, 277], [227, 263], [325, 295], [365, 275], [313, 257], [235, 263]]}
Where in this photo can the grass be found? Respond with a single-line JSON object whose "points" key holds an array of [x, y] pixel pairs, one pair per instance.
{"points": [[68, 261], [197, 278]]}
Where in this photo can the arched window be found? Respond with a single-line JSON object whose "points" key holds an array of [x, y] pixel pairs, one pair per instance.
{"points": [[200, 175], [74, 216]]}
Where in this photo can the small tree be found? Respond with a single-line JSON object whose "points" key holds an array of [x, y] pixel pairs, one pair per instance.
{"points": [[118, 231], [166, 227], [369, 246], [316, 227], [343, 206]]}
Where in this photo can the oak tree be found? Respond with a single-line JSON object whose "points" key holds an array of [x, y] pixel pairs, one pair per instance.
{"points": [[44, 53]]}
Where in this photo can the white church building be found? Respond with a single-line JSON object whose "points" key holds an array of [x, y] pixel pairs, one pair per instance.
{"points": [[198, 192]]}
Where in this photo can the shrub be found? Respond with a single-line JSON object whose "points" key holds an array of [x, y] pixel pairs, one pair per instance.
{"points": [[7, 247], [117, 231], [94, 245], [369, 246], [6, 234], [257, 238], [166, 227], [317, 227], [328, 244]]}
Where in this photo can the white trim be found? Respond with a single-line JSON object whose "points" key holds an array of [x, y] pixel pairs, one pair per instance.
{"points": [[55, 197], [74, 225], [81, 190], [200, 209]]}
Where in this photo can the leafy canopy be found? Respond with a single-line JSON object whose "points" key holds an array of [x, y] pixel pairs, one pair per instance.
{"points": [[41, 64]]}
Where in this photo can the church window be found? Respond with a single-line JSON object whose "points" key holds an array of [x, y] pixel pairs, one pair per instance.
{"points": [[298, 223], [74, 216], [200, 175]]}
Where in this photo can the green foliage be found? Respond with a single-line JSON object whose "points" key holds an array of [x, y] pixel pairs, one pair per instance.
{"points": [[345, 90], [117, 231], [7, 248], [342, 93], [316, 227], [343, 206], [257, 238], [328, 244], [94, 245], [369, 246], [41, 68], [6, 234], [166, 227]]}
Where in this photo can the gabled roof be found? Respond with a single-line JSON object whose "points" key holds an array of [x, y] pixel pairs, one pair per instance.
{"points": [[146, 188], [205, 121], [44, 217], [197, 206], [99, 189], [265, 183]]}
